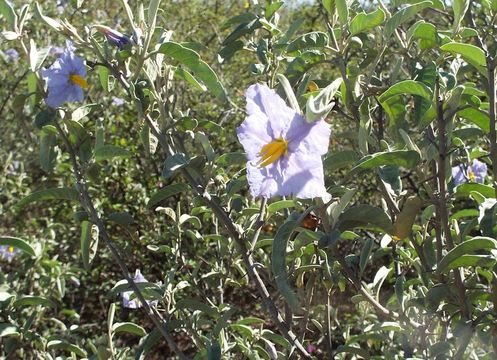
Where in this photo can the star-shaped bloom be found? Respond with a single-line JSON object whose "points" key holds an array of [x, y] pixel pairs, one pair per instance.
{"points": [[283, 150], [135, 303], [66, 78], [8, 252], [475, 173]]}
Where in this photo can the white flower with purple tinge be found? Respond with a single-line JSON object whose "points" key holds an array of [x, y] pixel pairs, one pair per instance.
{"points": [[475, 173], [65, 78], [8, 252], [12, 55], [117, 101], [283, 150], [135, 303]]}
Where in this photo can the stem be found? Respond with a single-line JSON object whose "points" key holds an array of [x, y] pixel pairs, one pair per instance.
{"points": [[87, 204], [442, 212]]}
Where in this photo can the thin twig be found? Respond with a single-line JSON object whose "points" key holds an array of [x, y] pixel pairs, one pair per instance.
{"points": [[87, 204]]}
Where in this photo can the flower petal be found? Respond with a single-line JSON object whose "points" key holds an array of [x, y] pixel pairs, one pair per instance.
{"points": [[308, 137], [303, 176], [458, 174], [263, 100], [252, 135]]}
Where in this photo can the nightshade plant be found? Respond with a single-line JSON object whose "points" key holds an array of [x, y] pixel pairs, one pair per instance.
{"points": [[334, 227]]}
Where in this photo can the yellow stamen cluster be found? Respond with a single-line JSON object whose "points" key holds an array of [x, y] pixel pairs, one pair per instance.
{"points": [[272, 152], [10, 249], [78, 80], [471, 176]]}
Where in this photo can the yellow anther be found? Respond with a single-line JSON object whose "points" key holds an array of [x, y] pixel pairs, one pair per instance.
{"points": [[10, 249], [272, 152], [471, 176], [78, 80]]}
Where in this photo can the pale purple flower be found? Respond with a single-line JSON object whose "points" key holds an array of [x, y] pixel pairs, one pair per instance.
{"points": [[12, 55], [113, 36], [475, 172], [117, 101], [8, 252], [65, 78], [283, 150], [135, 303]]}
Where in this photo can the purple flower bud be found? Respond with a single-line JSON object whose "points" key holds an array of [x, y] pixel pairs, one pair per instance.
{"points": [[113, 36]]}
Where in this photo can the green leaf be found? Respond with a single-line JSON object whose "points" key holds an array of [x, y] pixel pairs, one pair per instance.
{"points": [[362, 21], [107, 152], [64, 345], [89, 243], [403, 16], [103, 76], [33, 301], [234, 158], [37, 57], [272, 8], [206, 145], [460, 7], [405, 87], [472, 260], [223, 322], [364, 216], [472, 54], [343, 11], [467, 247], [174, 163], [7, 329], [195, 305], [477, 117], [128, 327], [83, 111], [122, 218], [50, 194], [47, 20], [353, 350], [18, 244], [47, 151], [8, 13], [278, 264], [404, 158], [153, 7], [365, 253], [245, 17], [200, 69], [329, 6], [280, 205], [189, 78], [340, 159], [166, 192], [465, 189], [312, 40], [214, 350]]}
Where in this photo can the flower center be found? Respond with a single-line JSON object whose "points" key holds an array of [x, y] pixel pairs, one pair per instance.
{"points": [[78, 80], [272, 152], [471, 176], [10, 249]]}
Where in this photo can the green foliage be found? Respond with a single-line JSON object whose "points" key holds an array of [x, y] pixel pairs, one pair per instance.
{"points": [[398, 262]]}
